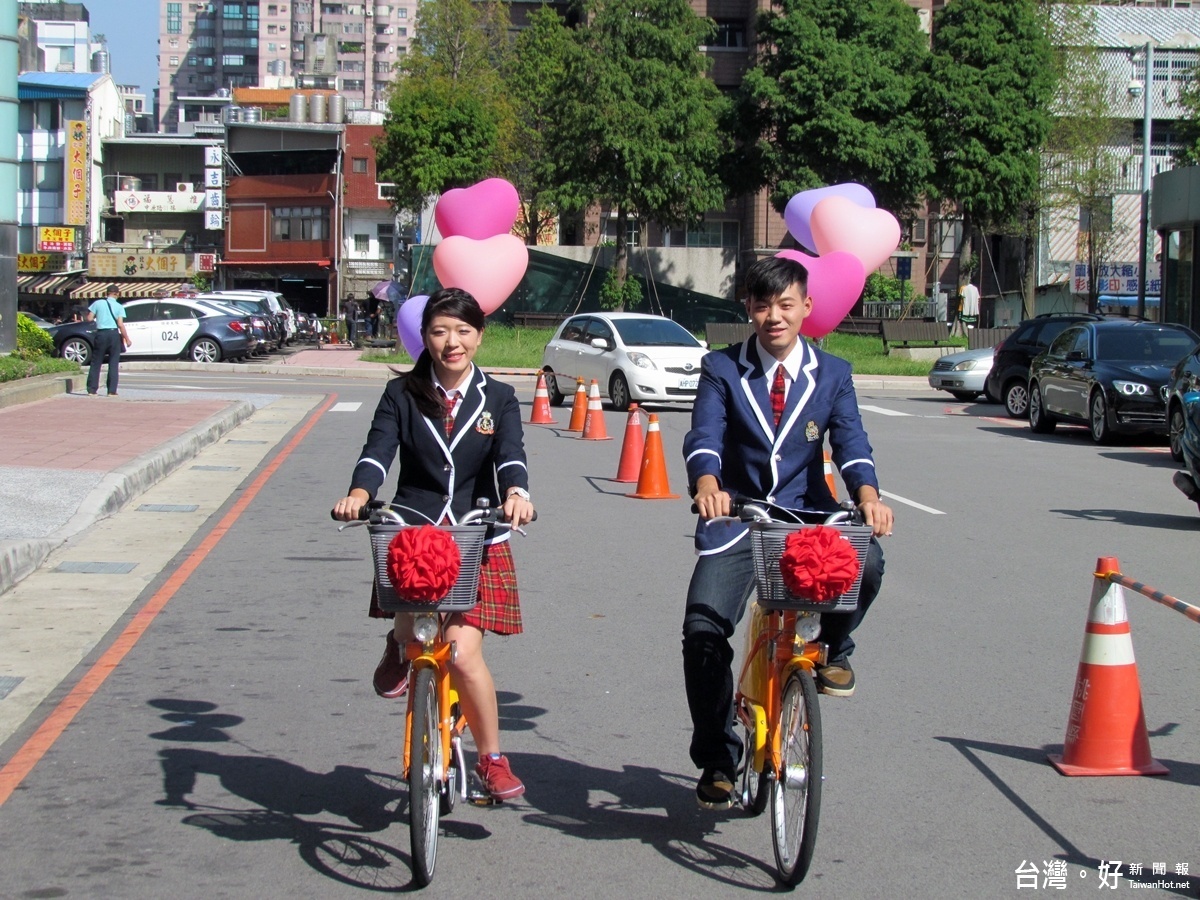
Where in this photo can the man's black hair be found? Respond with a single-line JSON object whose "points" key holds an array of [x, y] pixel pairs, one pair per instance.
{"points": [[770, 277]]}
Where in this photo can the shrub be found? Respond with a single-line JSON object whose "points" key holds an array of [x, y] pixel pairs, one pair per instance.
{"points": [[32, 340]]}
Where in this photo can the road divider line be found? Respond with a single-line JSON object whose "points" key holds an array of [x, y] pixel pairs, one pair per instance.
{"points": [[913, 503], [39, 743], [884, 411]]}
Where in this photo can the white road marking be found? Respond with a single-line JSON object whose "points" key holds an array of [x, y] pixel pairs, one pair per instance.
{"points": [[884, 412], [345, 407], [913, 503]]}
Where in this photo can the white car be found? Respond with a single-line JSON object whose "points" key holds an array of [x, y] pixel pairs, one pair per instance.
{"points": [[633, 357], [963, 374]]}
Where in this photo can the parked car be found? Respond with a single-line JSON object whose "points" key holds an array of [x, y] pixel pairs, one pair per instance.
{"points": [[266, 333], [37, 320], [173, 326], [1183, 423], [963, 374], [1110, 375], [633, 357], [277, 306], [259, 309], [1008, 380]]}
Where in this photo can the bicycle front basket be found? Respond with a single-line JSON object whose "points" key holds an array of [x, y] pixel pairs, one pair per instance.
{"points": [[767, 541], [465, 593]]}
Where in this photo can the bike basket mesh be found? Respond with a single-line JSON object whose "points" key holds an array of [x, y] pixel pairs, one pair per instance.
{"points": [[767, 542], [465, 593]]}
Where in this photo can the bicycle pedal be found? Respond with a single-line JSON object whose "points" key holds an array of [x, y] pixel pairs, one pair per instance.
{"points": [[482, 798]]}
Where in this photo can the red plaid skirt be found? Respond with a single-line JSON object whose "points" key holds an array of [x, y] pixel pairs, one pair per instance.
{"points": [[499, 607]]}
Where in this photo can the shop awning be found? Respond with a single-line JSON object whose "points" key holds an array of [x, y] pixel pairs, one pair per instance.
{"points": [[46, 284], [129, 289], [274, 262]]}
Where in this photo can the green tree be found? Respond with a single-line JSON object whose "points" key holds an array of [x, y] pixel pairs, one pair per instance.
{"points": [[636, 129], [1188, 125], [534, 80], [447, 109], [986, 106], [830, 100]]}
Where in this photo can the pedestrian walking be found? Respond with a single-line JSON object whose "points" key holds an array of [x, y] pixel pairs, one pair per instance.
{"points": [[111, 338], [350, 309]]}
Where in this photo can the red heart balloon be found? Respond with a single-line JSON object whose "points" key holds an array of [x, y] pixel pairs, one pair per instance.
{"points": [[835, 282], [489, 270], [480, 211]]}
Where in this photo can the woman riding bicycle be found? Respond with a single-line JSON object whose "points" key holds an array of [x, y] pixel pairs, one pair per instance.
{"points": [[459, 438]]}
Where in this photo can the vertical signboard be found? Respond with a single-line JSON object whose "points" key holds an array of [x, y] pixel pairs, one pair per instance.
{"points": [[77, 169]]}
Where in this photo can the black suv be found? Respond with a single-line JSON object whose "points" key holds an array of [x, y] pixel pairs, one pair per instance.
{"points": [[1009, 378]]}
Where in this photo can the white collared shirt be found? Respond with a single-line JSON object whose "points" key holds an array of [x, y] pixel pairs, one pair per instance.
{"points": [[791, 364]]}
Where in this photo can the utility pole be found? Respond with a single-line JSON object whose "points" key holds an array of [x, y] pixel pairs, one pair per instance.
{"points": [[1146, 237]]}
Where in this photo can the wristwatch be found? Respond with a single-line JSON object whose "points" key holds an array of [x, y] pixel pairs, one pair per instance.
{"points": [[519, 491]]}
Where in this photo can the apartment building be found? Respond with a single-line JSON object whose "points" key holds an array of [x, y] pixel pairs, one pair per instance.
{"points": [[212, 45]]}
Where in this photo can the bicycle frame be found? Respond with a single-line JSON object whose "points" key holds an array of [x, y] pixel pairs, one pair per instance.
{"points": [[772, 654], [437, 654]]}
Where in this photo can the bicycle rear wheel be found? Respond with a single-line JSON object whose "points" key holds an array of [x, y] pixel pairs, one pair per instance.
{"points": [[424, 802], [796, 793]]}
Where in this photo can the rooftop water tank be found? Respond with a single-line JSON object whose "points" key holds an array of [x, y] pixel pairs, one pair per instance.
{"points": [[100, 62], [252, 114], [337, 109], [298, 108], [317, 109]]}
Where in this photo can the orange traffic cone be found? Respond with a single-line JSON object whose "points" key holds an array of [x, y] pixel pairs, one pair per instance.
{"points": [[829, 479], [579, 410], [632, 448], [541, 403], [1106, 730], [652, 482], [593, 423]]}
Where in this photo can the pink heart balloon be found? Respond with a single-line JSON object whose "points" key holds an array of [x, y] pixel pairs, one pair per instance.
{"points": [[835, 282], [798, 212], [408, 324], [488, 269], [480, 211], [842, 225]]}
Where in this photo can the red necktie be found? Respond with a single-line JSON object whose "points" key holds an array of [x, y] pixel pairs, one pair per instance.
{"points": [[448, 416], [777, 394]]}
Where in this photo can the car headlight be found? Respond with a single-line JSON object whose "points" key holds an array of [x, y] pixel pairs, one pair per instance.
{"points": [[1131, 388], [967, 365], [641, 360]]}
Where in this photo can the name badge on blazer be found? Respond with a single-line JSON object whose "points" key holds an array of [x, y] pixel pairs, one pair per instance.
{"points": [[484, 424], [811, 432]]}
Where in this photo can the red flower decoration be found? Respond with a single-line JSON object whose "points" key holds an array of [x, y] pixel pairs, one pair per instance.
{"points": [[423, 564], [818, 564]]}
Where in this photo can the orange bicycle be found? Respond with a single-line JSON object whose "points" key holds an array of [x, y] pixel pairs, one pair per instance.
{"points": [[776, 700], [433, 762]]}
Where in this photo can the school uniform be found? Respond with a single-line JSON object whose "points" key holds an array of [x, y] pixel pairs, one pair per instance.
{"points": [[734, 438], [441, 476]]}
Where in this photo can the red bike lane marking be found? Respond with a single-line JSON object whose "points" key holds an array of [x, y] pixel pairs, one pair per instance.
{"points": [[39, 743]]}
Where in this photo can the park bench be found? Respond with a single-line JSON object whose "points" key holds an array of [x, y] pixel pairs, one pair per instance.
{"points": [[978, 338], [907, 332], [537, 319], [727, 332], [860, 325]]}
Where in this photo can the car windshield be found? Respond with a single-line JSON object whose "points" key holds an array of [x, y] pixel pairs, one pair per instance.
{"points": [[654, 333], [1162, 346]]}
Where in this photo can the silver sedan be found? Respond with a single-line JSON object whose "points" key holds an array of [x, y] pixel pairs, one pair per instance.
{"points": [[962, 374]]}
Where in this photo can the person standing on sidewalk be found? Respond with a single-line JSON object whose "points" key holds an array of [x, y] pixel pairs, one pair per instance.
{"points": [[111, 339], [350, 308]]}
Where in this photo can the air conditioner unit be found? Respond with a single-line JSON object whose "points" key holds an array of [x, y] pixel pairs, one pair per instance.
{"points": [[388, 30], [185, 187]]}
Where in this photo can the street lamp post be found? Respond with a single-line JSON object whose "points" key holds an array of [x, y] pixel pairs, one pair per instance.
{"points": [[1145, 236]]}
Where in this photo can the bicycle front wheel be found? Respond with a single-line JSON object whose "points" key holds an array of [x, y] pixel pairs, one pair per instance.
{"points": [[796, 793], [425, 762]]}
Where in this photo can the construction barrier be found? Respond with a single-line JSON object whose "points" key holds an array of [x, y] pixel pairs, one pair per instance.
{"points": [[1106, 727], [1192, 612]]}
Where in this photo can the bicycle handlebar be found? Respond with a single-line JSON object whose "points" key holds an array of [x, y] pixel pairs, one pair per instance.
{"points": [[748, 509], [378, 512]]}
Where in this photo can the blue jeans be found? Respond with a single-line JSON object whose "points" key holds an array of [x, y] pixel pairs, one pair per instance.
{"points": [[108, 346], [721, 585]]}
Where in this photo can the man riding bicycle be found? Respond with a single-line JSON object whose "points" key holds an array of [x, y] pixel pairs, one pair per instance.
{"points": [[763, 410]]}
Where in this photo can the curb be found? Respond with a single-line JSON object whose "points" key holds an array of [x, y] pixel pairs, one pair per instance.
{"points": [[40, 387], [20, 559]]}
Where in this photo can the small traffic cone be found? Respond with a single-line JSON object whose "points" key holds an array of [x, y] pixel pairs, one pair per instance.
{"points": [[593, 423], [579, 410], [829, 479], [541, 403], [1106, 729], [652, 482], [632, 448]]}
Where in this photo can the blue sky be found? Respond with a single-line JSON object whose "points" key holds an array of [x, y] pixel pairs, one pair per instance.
{"points": [[131, 27]]}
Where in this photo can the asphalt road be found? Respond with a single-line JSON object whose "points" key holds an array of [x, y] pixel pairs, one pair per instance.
{"points": [[238, 750]]}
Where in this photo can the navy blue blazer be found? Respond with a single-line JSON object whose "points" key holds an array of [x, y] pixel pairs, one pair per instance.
{"points": [[734, 438], [439, 476]]}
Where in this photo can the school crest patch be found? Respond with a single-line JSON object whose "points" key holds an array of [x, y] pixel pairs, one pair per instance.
{"points": [[484, 424], [811, 432]]}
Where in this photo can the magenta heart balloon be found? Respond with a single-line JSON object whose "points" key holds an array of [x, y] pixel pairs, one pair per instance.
{"points": [[488, 269], [480, 211], [841, 225], [835, 282], [408, 324], [798, 212]]}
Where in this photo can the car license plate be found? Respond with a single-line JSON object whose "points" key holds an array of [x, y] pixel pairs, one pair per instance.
{"points": [[689, 384]]}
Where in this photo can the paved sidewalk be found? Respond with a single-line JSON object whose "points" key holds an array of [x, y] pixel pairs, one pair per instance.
{"points": [[68, 461]]}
